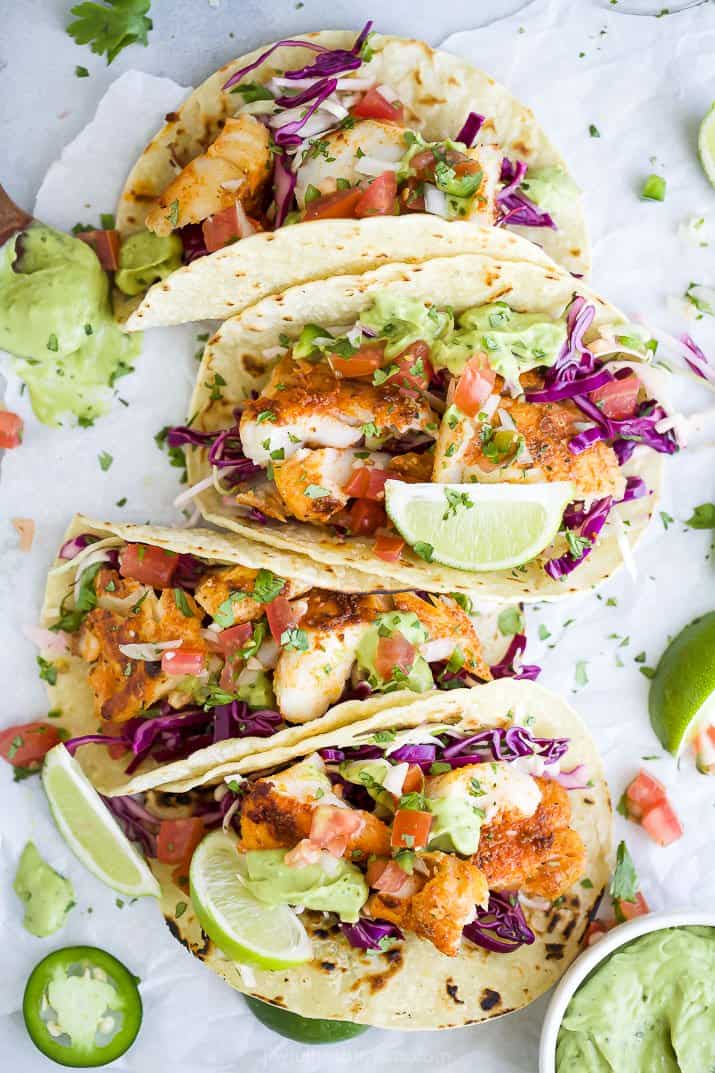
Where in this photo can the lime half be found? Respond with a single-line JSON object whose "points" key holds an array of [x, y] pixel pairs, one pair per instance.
{"points": [[683, 683], [90, 830], [303, 1029], [478, 526], [268, 936], [706, 144]]}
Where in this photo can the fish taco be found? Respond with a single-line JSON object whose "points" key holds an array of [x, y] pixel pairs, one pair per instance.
{"points": [[466, 424], [430, 866], [328, 131], [168, 652]]}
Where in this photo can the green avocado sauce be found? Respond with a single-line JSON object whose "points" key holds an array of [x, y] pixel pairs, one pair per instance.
{"points": [[47, 895], [649, 1006], [146, 258], [56, 319], [340, 889]]}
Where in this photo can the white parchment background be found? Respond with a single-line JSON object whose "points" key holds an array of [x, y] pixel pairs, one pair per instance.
{"points": [[644, 83]]}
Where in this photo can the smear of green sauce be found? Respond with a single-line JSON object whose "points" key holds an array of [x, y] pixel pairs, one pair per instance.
{"points": [[56, 319]]}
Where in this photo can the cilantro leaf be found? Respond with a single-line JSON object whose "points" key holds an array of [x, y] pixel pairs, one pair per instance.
{"points": [[295, 638], [267, 586], [624, 884], [108, 28], [703, 517]]}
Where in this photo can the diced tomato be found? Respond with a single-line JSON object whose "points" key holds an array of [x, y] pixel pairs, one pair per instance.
{"points": [[379, 198], [394, 652], [475, 385], [423, 165], [280, 617], [10, 429], [366, 516], [367, 482], [150, 565], [337, 206], [388, 547], [414, 780], [234, 638], [106, 245], [596, 930], [628, 910], [414, 367], [617, 399], [642, 794], [332, 827], [386, 876], [26, 745], [179, 661], [363, 363], [226, 226], [662, 824], [410, 829], [374, 106], [177, 840]]}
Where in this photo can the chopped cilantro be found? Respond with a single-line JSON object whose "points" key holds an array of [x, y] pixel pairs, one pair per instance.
{"points": [[105, 460], [182, 603], [48, 671], [109, 27], [624, 884], [294, 638]]}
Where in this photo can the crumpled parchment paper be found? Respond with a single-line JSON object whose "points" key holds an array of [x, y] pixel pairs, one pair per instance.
{"points": [[644, 83]]}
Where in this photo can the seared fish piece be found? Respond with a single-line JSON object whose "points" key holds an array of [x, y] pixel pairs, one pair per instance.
{"points": [[498, 789], [445, 620], [216, 588], [307, 683], [539, 854], [277, 811], [307, 405], [443, 906], [236, 166], [122, 686], [384, 141]]}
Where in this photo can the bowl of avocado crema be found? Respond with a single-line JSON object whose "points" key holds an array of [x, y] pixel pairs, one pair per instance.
{"points": [[640, 1000]]}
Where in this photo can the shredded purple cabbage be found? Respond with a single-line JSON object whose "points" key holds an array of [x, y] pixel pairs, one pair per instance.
{"points": [[185, 436], [501, 927], [587, 524], [137, 823], [175, 735], [514, 205], [469, 130], [192, 239], [638, 429], [284, 180], [567, 389], [370, 934], [697, 360], [575, 360], [76, 544], [329, 61], [189, 572], [510, 665], [635, 489]]}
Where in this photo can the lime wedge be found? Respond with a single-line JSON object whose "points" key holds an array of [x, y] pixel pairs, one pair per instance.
{"points": [[269, 936], [706, 144], [90, 830], [478, 526], [683, 683], [303, 1029]]}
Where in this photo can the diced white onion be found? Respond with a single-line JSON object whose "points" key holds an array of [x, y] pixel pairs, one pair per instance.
{"points": [[435, 651], [245, 227], [150, 652], [268, 653], [189, 493], [371, 165], [395, 778], [124, 604], [534, 903], [489, 406], [624, 547], [507, 420], [232, 185], [388, 92], [53, 641], [299, 608], [334, 107], [436, 201]]}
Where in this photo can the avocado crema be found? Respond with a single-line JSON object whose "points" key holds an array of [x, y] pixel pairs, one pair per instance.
{"points": [[334, 885], [56, 319], [146, 258], [47, 895], [513, 342], [650, 1006], [419, 677]]}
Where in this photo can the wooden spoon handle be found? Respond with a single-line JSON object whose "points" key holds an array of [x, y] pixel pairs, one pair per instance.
{"points": [[12, 217]]}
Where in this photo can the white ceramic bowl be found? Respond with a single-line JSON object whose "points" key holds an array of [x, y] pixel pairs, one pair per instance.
{"points": [[592, 956]]}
